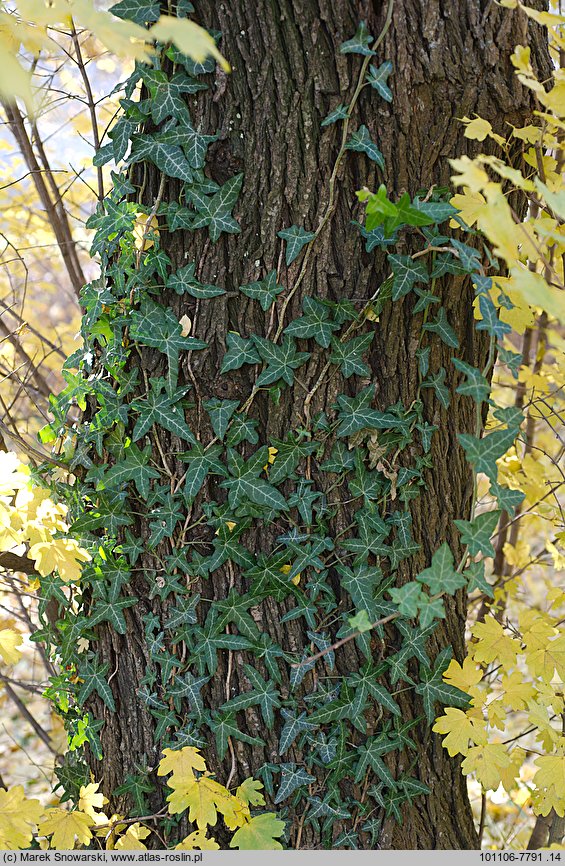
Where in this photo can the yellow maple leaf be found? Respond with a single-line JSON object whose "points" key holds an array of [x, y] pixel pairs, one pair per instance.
{"points": [[61, 554], [518, 554], [271, 458], [18, 818], [488, 763], [550, 776], [464, 676], [189, 38], [493, 643], [131, 840], [535, 289], [249, 792], [538, 715], [509, 774], [547, 660], [181, 763], [470, 174], [67, 829], [90, 799], [469, 204], [198, 839], [202, 796], [477, 129], [460, 728], [10, 640], [517, 692]]}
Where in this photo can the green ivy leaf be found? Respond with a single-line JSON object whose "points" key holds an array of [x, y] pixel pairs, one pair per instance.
{"points": [[490, 321], [362, 142], [359, 43], [409, 598], [476, 534], [158, 327], [169, 158], [240, 351], [93, 676], [483, 453], [215, 211], [295, 238], [406, 272], [292, 778], [220, 412], [378, 78], [441, 575], [224, 726], [349, 355], [139, 11], [265, 291], [314, 323], [160, 407], [443, 329], [476, 386], [437, 382], [133, 468], [338, 113], [183, 282], [281, 360], [292, 728]]}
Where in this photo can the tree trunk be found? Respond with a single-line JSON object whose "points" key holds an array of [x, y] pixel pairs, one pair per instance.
{"points": [[451, 59]]}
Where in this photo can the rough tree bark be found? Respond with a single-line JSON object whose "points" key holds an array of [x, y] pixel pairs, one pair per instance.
{"points": [[451, 58]]}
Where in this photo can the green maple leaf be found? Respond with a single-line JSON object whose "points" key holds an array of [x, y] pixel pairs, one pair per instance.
{"points": [[259, 834]]}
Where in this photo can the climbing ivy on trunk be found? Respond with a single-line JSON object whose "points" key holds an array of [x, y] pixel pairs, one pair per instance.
{"points": [[284, 395]]}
